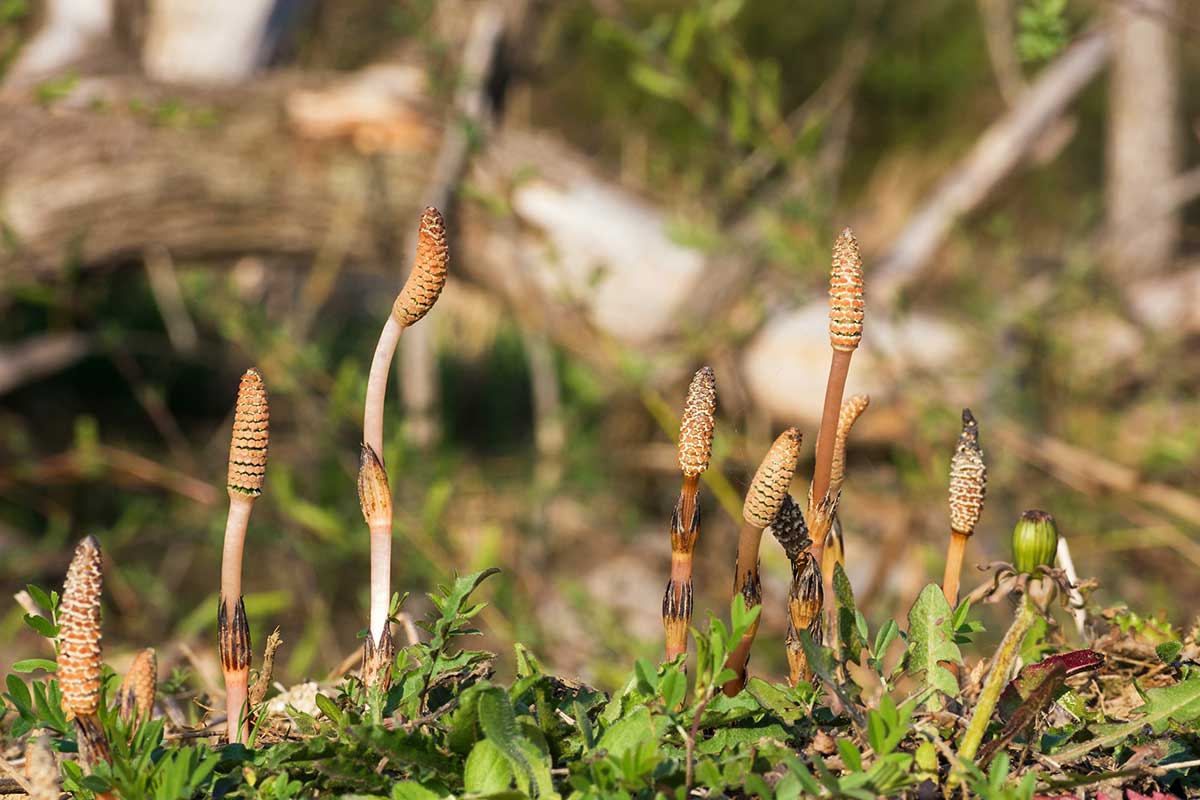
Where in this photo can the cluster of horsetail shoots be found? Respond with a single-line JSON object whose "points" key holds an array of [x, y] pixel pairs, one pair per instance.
{"points": [[846, 313], [135, 699], [764, 498], [695, 449], [968, 485], [247, 469], [79, 657], [420, 291]]}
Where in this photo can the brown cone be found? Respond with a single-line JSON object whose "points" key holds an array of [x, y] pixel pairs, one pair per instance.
{"points": [[79, 631], [248, 444], [428, 276]]}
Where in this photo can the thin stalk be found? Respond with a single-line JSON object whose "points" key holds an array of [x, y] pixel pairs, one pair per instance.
{"points": [[954, 561], [746, 582], [997, 677], [678, 602], [377, 381], [835, 387], [381, 579], [247, 470], [695, 450]]}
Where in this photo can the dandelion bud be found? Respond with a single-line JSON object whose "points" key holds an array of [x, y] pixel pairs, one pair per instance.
{"points": [[1034, 541]]}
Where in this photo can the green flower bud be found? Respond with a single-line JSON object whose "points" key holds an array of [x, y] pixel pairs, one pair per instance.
{"points": [[1034, 541]]}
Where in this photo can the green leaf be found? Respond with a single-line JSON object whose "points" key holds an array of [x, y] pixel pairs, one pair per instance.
{"points": [[40, 596], [1179, 703], [42, 626], [411, 790], [851, 637], [330, 710], [673, 687], [1167, 652], [31, 664], [499, 724], [931, 640], [656, 82], [628, 733], [487, 769]]}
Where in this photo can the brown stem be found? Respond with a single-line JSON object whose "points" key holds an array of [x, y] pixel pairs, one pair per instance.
{"points": [[678, 602], [954, 561], [839, 369], [746, 582]]}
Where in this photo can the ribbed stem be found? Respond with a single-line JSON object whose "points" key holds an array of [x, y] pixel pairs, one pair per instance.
{"points": [[677, 603], [997, 676], [954, 561], [381, 579], [835, 387], [381, 364]]}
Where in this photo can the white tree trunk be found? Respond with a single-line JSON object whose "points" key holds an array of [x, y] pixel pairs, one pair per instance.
{"points": [[1143, 151]]}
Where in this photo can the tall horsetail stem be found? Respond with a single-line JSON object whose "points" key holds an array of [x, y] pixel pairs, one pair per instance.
{"points": [[695, 450], [79, 655], [421, 290], [846, 313], [764, 498], [968, 486], [247, 469]]}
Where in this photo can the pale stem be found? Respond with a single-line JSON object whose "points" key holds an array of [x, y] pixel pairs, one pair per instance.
{"points": [[236, 697], [240, 506], [749, 539], [381, 579], [377, 382]]}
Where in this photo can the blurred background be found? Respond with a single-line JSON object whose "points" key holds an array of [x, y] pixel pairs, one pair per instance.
{"points": [[633, 188]]}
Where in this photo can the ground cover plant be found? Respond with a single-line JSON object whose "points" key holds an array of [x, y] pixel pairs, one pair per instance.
{"points": [[1108, 703]]}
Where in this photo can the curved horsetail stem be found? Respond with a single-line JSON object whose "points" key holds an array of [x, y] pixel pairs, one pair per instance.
{"points": [[247, 469], [764, 498], [695, 450], [846, 313], [79, 656], [968, 486], [421, 290]]}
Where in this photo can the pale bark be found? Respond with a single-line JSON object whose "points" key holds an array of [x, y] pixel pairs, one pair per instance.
{"points": [[1143, 146]]}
